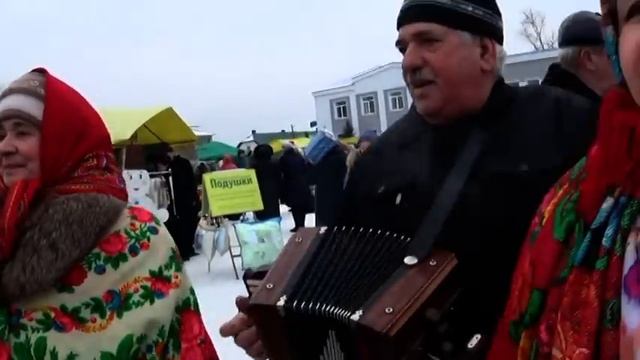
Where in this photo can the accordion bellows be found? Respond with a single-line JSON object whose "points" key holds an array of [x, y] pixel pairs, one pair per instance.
{"points": [[346, 294]]}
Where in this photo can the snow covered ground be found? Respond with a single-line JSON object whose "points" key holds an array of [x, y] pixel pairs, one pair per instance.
{"points": [[217, 291]]}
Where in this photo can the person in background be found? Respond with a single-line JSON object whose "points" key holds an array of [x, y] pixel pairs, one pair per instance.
{"points": [[228, 163], [365, 141], [183, 222], [200, 171], [328, 175], [83, 275], [243, 158], [269, 180], [452, 62], [295, 188], [157, 161], [584, 67], [575, 293]]}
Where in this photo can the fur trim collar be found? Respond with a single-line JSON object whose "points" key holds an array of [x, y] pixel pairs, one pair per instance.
{"points": [[59, 233]]}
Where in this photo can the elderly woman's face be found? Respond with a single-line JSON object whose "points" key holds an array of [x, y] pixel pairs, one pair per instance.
{"points": [[19, 151], [629, 20]]}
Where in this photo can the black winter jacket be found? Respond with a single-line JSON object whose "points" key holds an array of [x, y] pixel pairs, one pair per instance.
{"points": [[559, 77], [536, 134], [328, 177]]}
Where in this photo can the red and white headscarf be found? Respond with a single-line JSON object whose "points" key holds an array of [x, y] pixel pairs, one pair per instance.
{"points": [[76, 155]]}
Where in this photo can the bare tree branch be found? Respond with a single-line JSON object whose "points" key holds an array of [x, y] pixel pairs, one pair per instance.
{"points": [[534, 30]]}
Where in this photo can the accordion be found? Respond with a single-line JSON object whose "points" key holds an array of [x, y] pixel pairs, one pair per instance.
{"points": [[350, 293]]}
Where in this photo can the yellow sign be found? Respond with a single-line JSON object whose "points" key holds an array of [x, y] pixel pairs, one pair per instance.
{"points": [[231, 192]]}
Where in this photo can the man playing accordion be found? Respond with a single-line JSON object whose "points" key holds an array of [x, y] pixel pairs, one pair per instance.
{"points": [[452, 62]]}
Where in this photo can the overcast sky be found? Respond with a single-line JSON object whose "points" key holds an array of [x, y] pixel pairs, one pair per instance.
{"points": [[248, 64]]}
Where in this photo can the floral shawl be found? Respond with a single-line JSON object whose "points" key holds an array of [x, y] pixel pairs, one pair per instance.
{"points": [[129, 298], [576, 288]]}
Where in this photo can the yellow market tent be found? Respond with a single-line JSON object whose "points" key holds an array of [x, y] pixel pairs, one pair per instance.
{"points": [[147, 126], [303, 142], [300, 142], [349, 141]]}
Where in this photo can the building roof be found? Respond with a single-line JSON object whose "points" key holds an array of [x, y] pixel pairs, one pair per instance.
{"points": [[345, 83], [199, 132], [202, 133], [532, 56]]}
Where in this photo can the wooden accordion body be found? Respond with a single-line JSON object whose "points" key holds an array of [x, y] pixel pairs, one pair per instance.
{"points": [[346, 294]]}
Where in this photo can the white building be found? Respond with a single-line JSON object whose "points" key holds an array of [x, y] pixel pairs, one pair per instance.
{"points": [[372, 100], [203, 136], [376, 98], [528, 68]]}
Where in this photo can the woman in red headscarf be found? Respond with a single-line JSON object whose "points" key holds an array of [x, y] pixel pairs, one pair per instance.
{"points": [[82, 275], [576, 289]]}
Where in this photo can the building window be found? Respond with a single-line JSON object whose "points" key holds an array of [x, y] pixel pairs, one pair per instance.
{"points": [[368, 105], [396, 99], [340, 110]]}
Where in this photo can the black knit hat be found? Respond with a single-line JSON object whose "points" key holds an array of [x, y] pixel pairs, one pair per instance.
{"points": [[478, 17], [583, 28]]}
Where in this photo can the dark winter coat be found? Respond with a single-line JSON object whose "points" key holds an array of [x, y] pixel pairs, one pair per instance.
{"points": [[562, 78], [185, 188], [183, 222], [296, 192], [269, 180], [536, 134], [200, 171], [328, 176]]}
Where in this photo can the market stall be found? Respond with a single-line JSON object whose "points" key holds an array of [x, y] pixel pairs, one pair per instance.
{"points": [[147, 126], [353, 140], [137, 133], [300, 142], [215, 151], [303, 142]]}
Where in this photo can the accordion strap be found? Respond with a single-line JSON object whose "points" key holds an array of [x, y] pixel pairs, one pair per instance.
{"points": [[434, 220]]}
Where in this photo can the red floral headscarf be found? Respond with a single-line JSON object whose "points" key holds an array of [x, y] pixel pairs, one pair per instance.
{"points": [[76, 156], [574, 289]]}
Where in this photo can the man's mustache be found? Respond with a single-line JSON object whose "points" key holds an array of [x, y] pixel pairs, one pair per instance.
{"points": [[419, 78]]}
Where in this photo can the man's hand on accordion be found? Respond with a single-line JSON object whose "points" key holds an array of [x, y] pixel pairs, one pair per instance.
{"points": [[244, 331]]}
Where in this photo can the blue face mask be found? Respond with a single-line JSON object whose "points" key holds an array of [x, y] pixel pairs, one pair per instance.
{"points": [[611, 45]]}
